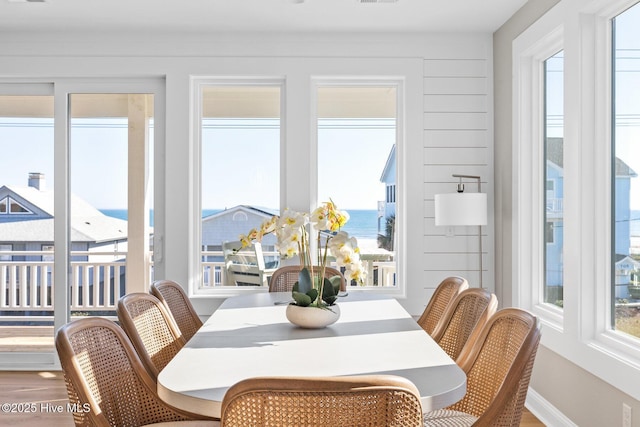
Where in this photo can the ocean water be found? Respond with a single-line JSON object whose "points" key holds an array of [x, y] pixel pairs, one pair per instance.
{"points": [[362, 223]]}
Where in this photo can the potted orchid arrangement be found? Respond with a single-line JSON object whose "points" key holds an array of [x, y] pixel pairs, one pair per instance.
{"points": [[294, 239]]}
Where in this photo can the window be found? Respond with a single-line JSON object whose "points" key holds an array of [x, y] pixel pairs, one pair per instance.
{"points": [[240, 167], [26, 141], [5, 248], [549, 233], [9, 206], [553, 177], [596, 328], [111, 185], [625, 168], [539, 172], [47, 248], [264, 144], [357, 167], [391, 194]]}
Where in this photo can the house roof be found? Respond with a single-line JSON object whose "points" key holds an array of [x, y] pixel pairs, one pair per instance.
{"points": [[555, 154], [390, 161], [88, 224], [266, 212], [626, 259]]}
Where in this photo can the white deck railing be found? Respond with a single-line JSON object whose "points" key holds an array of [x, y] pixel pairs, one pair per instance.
{"points": [[97, 285], [94, 286]]}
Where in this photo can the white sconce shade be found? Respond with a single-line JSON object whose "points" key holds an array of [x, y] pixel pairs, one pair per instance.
{"points": [[461, 209]]}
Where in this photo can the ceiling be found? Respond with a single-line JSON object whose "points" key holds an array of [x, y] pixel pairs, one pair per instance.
{"points": [[275, 16]]}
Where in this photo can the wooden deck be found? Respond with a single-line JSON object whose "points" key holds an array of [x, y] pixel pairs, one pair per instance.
{"points": [[26, 338]]}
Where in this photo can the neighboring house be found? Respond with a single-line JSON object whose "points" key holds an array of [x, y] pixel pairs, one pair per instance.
{"points": [[229, 224], [554, 213], [625, 265], [387, 209], [26, 224]]}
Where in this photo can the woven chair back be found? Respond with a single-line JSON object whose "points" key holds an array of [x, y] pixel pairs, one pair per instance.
{"points": [[442, 296], [284, 278], [151, 329], [103, 374], [374, 400], [470, 309], [498, 362], [177, 302]]}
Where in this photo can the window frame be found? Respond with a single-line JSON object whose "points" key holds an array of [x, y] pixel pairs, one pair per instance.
{"points": [[289, 152], [582, 333], [619, 343], [399, 84], [530, 161], [198, 83]]}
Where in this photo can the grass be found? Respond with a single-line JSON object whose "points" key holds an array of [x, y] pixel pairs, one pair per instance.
{"points": [[628, 320]]}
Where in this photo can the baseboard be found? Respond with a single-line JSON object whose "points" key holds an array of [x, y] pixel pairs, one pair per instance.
{"points": [[548, 414]]}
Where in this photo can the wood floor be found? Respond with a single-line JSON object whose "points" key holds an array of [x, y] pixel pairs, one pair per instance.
{"points": [[33, 399], [43, 394]]}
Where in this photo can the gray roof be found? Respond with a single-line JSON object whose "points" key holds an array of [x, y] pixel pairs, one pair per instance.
{"points": [[555, 155], [266, 212], [88, 224]]}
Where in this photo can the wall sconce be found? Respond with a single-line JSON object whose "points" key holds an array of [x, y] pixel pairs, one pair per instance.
{"points": [[463, 209]]}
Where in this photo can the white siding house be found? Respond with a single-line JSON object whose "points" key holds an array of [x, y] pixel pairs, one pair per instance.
{"points": [[27, 224]]}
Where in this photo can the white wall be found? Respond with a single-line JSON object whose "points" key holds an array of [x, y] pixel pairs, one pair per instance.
{"points": [[448, 112]]}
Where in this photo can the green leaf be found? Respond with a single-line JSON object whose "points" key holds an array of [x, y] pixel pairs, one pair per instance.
{"points": [[336, 281], [304, 281], [303, 300], [328, 292], [313, 294]]}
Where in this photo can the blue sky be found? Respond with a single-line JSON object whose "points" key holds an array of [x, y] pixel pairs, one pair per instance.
{"points": [[243, 167], [240, 166]]}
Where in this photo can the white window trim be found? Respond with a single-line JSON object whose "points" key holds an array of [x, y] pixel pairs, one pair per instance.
{"points": [[581, 332], [298, 125], [530, 186], [398, 84], [9, 202], [602, 336], [196, 89]]}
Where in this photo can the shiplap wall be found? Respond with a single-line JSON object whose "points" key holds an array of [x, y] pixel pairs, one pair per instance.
{"points": [[456, 113], [458, 139]]}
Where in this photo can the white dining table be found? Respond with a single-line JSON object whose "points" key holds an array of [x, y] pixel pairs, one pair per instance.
{"points": [[250, 336]]}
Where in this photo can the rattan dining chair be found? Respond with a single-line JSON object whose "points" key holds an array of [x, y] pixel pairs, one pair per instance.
{"points": [[354, 401], [106, 381], [470, 309], [442, 296], [177, 302], [285, 277], [498, 360], [151, 330]]}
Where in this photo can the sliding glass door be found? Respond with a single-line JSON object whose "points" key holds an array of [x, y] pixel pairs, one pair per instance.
{"points": [[75, 207], [26, 222]]}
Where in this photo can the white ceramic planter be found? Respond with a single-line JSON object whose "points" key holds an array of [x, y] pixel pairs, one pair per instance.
{"points": [[312, 317]]}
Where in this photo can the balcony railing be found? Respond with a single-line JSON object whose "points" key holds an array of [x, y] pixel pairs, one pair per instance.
{"points": [[96, 284], [555, 207], [27, 286]]}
